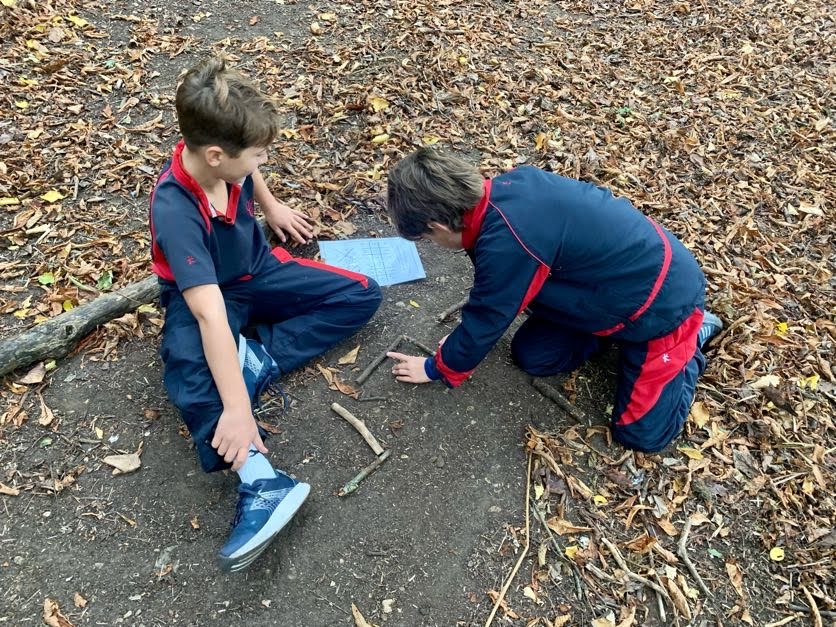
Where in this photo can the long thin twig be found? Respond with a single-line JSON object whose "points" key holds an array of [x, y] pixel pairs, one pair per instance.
{"points": [[814, 608], [682, 551], [623, 565], [525, 550], [561, 401], [377, 361]]}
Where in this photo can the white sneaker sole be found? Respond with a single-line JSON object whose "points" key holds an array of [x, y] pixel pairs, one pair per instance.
{"points": [[247, 554]]}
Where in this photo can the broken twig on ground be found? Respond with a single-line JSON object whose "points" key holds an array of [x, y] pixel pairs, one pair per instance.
{"points": [[682, 551], [551, 393], [377, 361], [451, 310], [508, 581], [352, 485], [619, 558], [420, 345], [360, 426]]}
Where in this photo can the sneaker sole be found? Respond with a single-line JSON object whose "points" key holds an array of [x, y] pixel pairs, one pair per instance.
{"points": [[247, 554]]}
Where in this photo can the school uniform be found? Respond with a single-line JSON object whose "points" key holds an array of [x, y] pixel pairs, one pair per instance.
{"points": [[297, 308], [586, 265]]}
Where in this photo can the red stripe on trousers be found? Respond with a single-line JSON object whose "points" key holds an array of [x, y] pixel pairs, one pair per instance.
{"points": [[665, 359], [282, 255]]}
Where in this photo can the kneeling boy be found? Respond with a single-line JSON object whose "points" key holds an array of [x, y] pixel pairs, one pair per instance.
{"points": [[585, 264]]}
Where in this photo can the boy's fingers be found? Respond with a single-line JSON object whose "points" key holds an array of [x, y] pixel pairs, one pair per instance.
{"points": [[259, 444], [281, 234], [398, 356]]}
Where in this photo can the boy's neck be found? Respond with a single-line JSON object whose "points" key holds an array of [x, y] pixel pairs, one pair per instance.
{"points": [[196, 166]]}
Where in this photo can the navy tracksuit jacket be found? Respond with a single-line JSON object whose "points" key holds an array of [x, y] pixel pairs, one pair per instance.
{"points": [[587, 265]]}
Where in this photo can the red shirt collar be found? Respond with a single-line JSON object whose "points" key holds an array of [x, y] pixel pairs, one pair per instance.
{"points": [[473, 218], [188, 181]]}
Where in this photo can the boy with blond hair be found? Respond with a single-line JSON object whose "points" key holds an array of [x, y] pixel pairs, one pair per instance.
{"points": [[238, 315]]}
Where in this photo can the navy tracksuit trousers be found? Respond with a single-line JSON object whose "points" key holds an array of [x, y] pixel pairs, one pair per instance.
{"points": [[298, 309], [650, 408]]}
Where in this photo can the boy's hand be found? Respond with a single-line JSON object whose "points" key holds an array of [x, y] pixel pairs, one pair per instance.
{"points": [[235, 432], [409, 369], [282, 219]]}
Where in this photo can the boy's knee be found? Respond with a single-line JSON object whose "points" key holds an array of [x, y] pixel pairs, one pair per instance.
{"points": [[372, 296], [540, 363]]}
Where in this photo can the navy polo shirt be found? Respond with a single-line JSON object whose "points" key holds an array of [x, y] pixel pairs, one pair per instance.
{"points": [[190, 244]]}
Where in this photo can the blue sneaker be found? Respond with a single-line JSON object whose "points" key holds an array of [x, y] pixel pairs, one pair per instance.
{"points": [[711, 326], [257, 366], [264, 508]]}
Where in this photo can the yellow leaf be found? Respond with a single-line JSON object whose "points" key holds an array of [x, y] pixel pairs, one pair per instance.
{"points": [[699, 414], [99, 433], [528, 591], [27, 81], [67, 305], [571, 551], [378, 103], [776, 554], [9, 200], [78, 21], [430, 140], [34, 133], [781, 329], [600, 500], [540, 140], [691, 452], [52, 195], [414, 304], [8, 3], [379, 139], [809, 382], [39, 318], [20, 314], [538, 491], [462, 60], [22, 104]]}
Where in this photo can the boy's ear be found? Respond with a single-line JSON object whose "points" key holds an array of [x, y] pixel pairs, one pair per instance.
{"points": [[437, 227], [213, 155]]}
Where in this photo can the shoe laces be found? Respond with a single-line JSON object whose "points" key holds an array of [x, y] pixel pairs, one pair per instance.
{"points": [[246, 495]]}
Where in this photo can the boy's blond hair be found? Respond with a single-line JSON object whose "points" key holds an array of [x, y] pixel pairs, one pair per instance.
{"points": [[217, 106]]}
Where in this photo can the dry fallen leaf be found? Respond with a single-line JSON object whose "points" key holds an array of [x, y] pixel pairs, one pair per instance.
{"points": [[52, 615], [79, 601], [35, 375], [736, 577], [46, 413], [4, 489], [123, 464], [562, 527], [350, 357]]}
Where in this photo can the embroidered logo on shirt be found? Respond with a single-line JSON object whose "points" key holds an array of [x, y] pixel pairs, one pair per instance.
{"points": [[251, 207], [666, 358], [190, 260]]}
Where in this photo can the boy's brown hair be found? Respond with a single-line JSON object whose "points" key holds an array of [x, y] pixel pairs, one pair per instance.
{"points": [[431, 186], [217, 106]]}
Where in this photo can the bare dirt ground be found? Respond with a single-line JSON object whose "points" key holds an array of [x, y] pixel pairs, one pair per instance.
{"points": [[716, 118]]}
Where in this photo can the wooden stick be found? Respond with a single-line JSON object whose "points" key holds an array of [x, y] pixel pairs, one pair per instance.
{"points": [[814, 609], [682, 551], [360, 426], [423, 347], [525, 550], [643, 580], [377, 361], [352, 485], [561, 401], [451, 310], [57, 336]]}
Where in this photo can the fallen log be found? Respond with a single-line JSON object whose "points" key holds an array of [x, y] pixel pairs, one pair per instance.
{"points": [[58, 336]]}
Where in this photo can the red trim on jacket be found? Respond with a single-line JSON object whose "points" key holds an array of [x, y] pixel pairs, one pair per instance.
{"points": [[283, 256], [665, 359], [159, 264], [657, 285], [539, 277], [452, 377], [473, 218], [188, 181]]}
